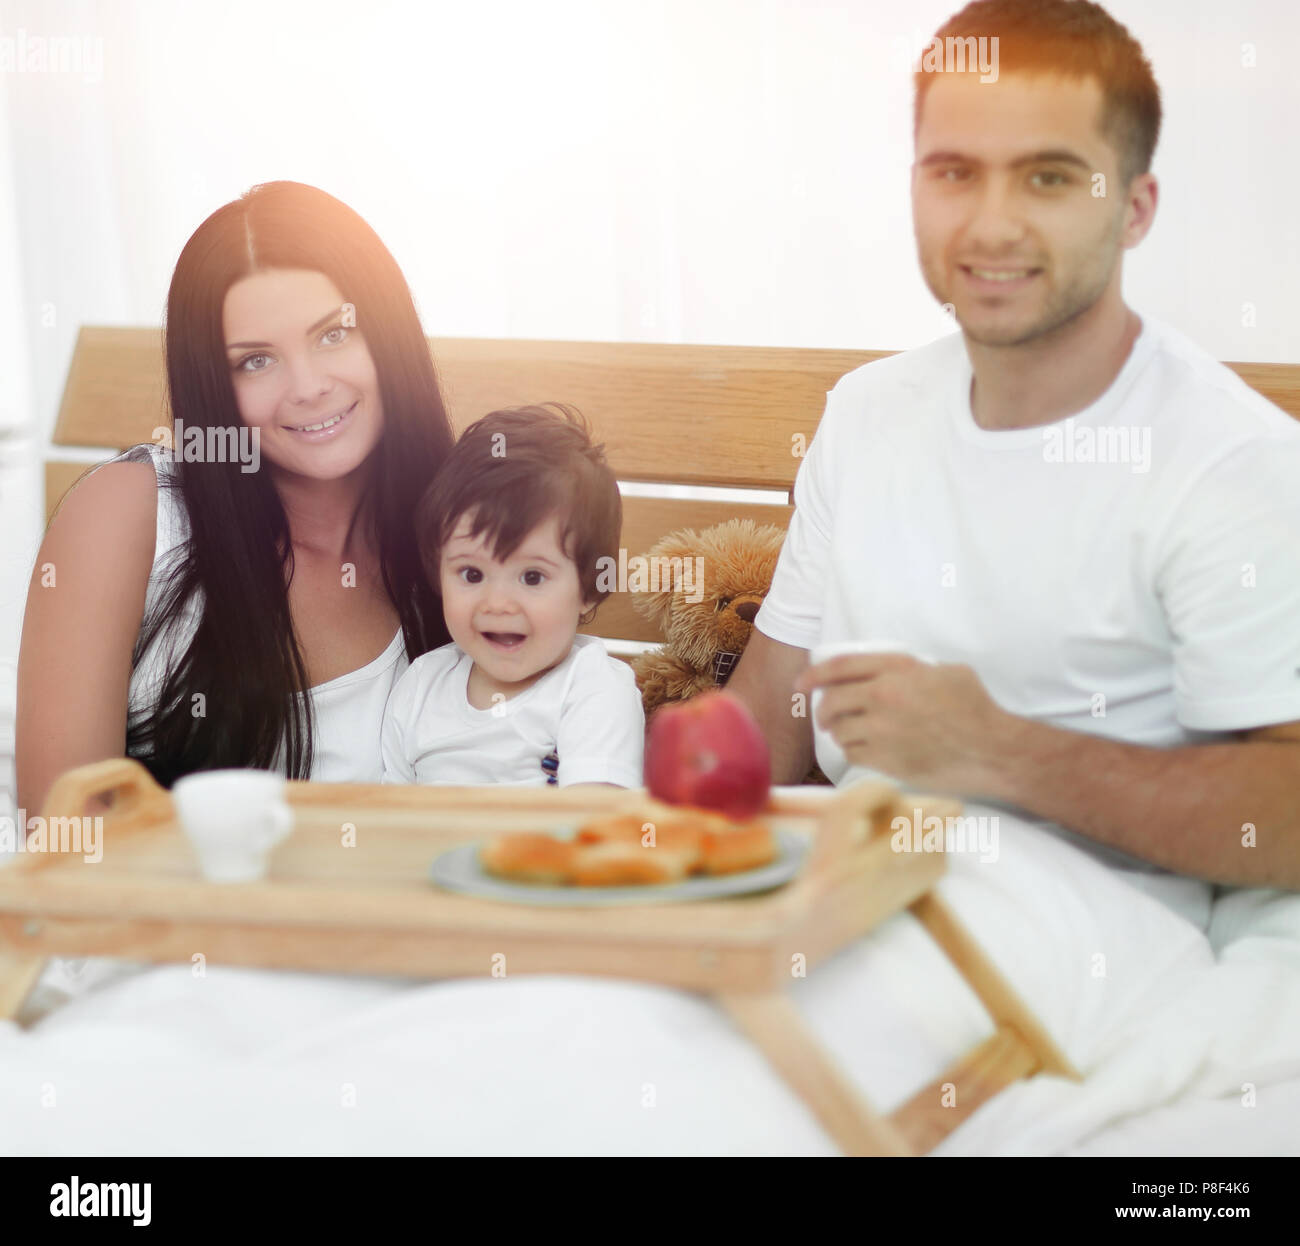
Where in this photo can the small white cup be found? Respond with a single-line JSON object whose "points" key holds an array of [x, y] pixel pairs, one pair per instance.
{"points": [[830, 757], [847, 648], [233, 818]]}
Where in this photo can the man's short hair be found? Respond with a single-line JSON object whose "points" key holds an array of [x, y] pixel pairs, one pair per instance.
{"points": [[1076, 39], [514, 469]]}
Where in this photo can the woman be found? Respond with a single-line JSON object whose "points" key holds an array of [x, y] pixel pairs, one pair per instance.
{"points": [[180, 610]]}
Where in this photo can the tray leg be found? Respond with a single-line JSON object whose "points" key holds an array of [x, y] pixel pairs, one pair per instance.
{"points": [[771, 1020], [993, 990], [18, 974], [930, 1115]]}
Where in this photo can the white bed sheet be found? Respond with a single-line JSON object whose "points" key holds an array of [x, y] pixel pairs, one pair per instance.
{"points": [[129, 1060]]}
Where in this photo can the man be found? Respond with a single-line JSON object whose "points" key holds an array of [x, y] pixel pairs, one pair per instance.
{"points": [[1086, 527]]}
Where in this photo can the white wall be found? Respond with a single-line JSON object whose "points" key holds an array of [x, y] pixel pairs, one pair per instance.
{"points": [[697, 170], [727, 171], [19, 497]]}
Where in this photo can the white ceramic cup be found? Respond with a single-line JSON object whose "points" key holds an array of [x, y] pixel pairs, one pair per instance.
{"points": [[829, 756], [845, 648], [233, 818]]}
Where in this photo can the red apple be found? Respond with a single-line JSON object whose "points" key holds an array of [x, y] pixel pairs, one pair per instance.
{"points": [[708, 752]]}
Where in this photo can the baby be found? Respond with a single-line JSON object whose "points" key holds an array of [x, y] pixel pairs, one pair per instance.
{"points": [[512, 531]]}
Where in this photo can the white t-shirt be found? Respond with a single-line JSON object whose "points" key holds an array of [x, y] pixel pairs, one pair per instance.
{"points": [[586, 710], [348, 710], [1152, 598]]}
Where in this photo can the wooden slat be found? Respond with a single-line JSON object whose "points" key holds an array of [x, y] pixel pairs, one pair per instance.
{"points": [[719, 415], [994, 991], [1278, 382], [713, 415], [60, 476], [753, 399], [376, 949], [18, 974], [934, 1112], [645, 520], [114, 396], [773, 1023]]}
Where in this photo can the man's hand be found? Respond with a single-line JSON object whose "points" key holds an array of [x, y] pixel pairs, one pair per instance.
{"points": [[1229, 813], [931, 727]]}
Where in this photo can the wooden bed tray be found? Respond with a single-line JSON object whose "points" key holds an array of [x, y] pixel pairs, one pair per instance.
{"points": [[370, 908]]}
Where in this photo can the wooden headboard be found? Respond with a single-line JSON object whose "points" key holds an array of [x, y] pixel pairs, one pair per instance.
{"points": [[650, 404]]}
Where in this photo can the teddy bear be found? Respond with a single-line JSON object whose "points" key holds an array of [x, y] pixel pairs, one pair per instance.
{"points": [[704, 599], [704, 603]]}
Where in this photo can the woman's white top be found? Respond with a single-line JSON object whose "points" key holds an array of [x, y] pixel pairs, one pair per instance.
{"points": [[349, 710]]}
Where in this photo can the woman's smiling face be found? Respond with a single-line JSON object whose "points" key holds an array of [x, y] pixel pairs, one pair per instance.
{"points": [[302, 375]]}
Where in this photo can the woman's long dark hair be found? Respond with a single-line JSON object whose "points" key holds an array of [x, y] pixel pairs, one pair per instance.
{"points": [[244, 658]]}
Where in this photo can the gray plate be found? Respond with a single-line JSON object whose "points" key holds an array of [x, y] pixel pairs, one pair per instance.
{"points": [[458, 869]]}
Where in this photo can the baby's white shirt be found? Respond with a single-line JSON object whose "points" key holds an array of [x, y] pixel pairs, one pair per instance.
{"points": [[587, 710]]}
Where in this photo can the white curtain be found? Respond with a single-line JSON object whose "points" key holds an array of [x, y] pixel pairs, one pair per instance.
{"points": [[681, 170], [19, 494]]}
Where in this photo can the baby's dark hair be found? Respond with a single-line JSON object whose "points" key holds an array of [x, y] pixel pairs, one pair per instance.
{"points": [[511, 471]]}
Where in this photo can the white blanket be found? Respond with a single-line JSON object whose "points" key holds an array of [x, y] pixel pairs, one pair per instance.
{"points": [[1184, 1052]]}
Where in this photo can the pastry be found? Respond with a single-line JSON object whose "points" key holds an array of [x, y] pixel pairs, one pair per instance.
{"points": [[530, 858], [664, 844], [630, 865], [648, 835], [739, 846]]}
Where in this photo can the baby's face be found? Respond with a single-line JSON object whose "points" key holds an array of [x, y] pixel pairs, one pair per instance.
{"points": [[516, 619]]}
